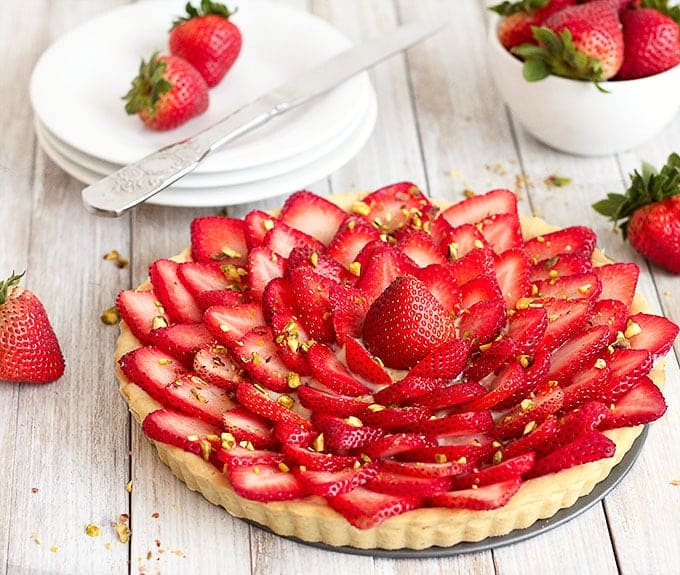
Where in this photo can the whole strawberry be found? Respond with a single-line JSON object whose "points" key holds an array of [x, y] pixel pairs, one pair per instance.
{"points": [[652, 39], [207, 39], [405, 322], [584, 42], [167, 92], [29, 350], [650, 211]]}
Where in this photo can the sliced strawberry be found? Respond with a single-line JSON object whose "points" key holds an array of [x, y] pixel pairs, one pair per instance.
{"points": [[396, 418], [289, 432], [580, 422], [625, 368], [573, 286], [396, 206], [489, 359], [483, 288], [476, 263], [441, 283], [402, 484], [506, 383], [420, 247], [508, 468], [452, 395], [181, 430], [610, 312], [588, 447], [348, 308], [210, 298], [577, 352], [530, 412], [501, 231], [202, 277], [477, 208], [331, 373], [618, 281], [396, 444], [562, 265], [151, 369], [213, 364], [527, 327], [321, 264], [311, 293], [512, 273], [341, 435], [466, 454], [565, 318], [318, 460], [584, 386], [488, 497], [654, 333], [350, 239], [218, 239], [477, 421], [263, 266], [177, 300], [277, 298], [291, 340], [313, 215], [281, 239], [482, 322], [332, 403], [333, 483], [462, 240], [539, 440], [364, 508], [444, 362], [238, 456], [642, 404], [424, 470], [363, 363], [265, 483], [247, 426], [259, 356], [141, 311], [260, 401], [382, 265], [228, 324], [576, 240], [257, 223], [181, 340]]}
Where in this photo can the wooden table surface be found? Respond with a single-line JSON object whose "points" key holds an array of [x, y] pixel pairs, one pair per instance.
{"points": [[70, 448]]}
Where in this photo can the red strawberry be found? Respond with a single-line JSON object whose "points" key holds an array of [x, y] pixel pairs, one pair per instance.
{"points": [[487, 497], [580, 422], [588, 447], [348, 309], [238, 456], [340, 435], [530, 412], [29, 349], [477, 208], [505, 384], [577, 352], [482, 321], [332, 483], [483, 288], [501, 231], [277, 298], [477, 421], [452, 395], [245, 425], [291, 340], [151, 369], [363, 363], [396, 206], [261, 402], [610, 312], [473, 453], [350, 239], [364, 508], [177, 300], [317, 460], [214, 364], [654, 333], [332, 403], [321, 264], [281, 239], [442, 284], [625, 368], [410, 485], [618, 281], [405, 322], [257, 223], [584, 386], [582, 41], [331, 373], [565, 318], [444, 362], [181, 430], [575, 240], [289, 432], [263, 266], [219, 239], [527, 327], [650, 211], [265, 483], [422, 469], [226, 297], [475, 263], [207, 39], [311, 294], [513, 269], [539, 440], [397, 418], [491, 357], [228, 324], [381, 264], [562, 265], [181, 340], [202, 277], [167, 92], [313, 215], [507, 468], [460, 241], [420, 247], [396, 444], [574, 286], [651, 41], [141, 311], [642, 404], [259, 357]]}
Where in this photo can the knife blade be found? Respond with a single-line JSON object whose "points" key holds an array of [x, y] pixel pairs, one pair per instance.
{"points": [[133, 184]]}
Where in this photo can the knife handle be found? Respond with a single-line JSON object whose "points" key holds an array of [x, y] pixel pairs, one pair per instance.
{"points": [[137, 182]]}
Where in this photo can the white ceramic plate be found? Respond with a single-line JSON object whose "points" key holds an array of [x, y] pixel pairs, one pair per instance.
{"points": [[77, 84], [238, 194], [229, 178]]}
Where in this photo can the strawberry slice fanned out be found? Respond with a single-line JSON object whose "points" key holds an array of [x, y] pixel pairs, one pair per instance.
{"points": [[394, 207], [246, 426], [181, 430], [364, 508], [642, 404], [575, 240], [265, 483], [182, 340], [313, 215], [218, 239], [654, 333], [588, 447], [142, 312], [486, 497], [332, 483], [352, 236], [177, 300], [477, 208], [363, 363]]}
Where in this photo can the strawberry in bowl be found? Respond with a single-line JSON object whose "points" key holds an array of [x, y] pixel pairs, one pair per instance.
{"points": [[595, 77], [386, 371]]}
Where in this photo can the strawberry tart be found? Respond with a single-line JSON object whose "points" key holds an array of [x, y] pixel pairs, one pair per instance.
{"points": [[382, 371]]}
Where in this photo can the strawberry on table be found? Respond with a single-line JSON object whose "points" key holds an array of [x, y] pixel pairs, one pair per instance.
{"points": [[208, 39], [29, 349], [649, 213], [167, 92]]}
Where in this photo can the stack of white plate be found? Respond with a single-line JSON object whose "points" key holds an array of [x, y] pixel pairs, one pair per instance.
{"points": [[80, 120]]}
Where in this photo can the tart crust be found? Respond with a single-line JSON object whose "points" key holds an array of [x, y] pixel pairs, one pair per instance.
{"points": [[312, 520]]}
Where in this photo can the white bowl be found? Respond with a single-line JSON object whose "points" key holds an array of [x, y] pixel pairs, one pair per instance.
{"points": [[574, 116]]}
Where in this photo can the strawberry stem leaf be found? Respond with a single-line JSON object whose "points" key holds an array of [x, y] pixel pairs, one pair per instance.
{"points": [[647, 186], [148, 87], [507, 7], [11, 281], [207, 8]]}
